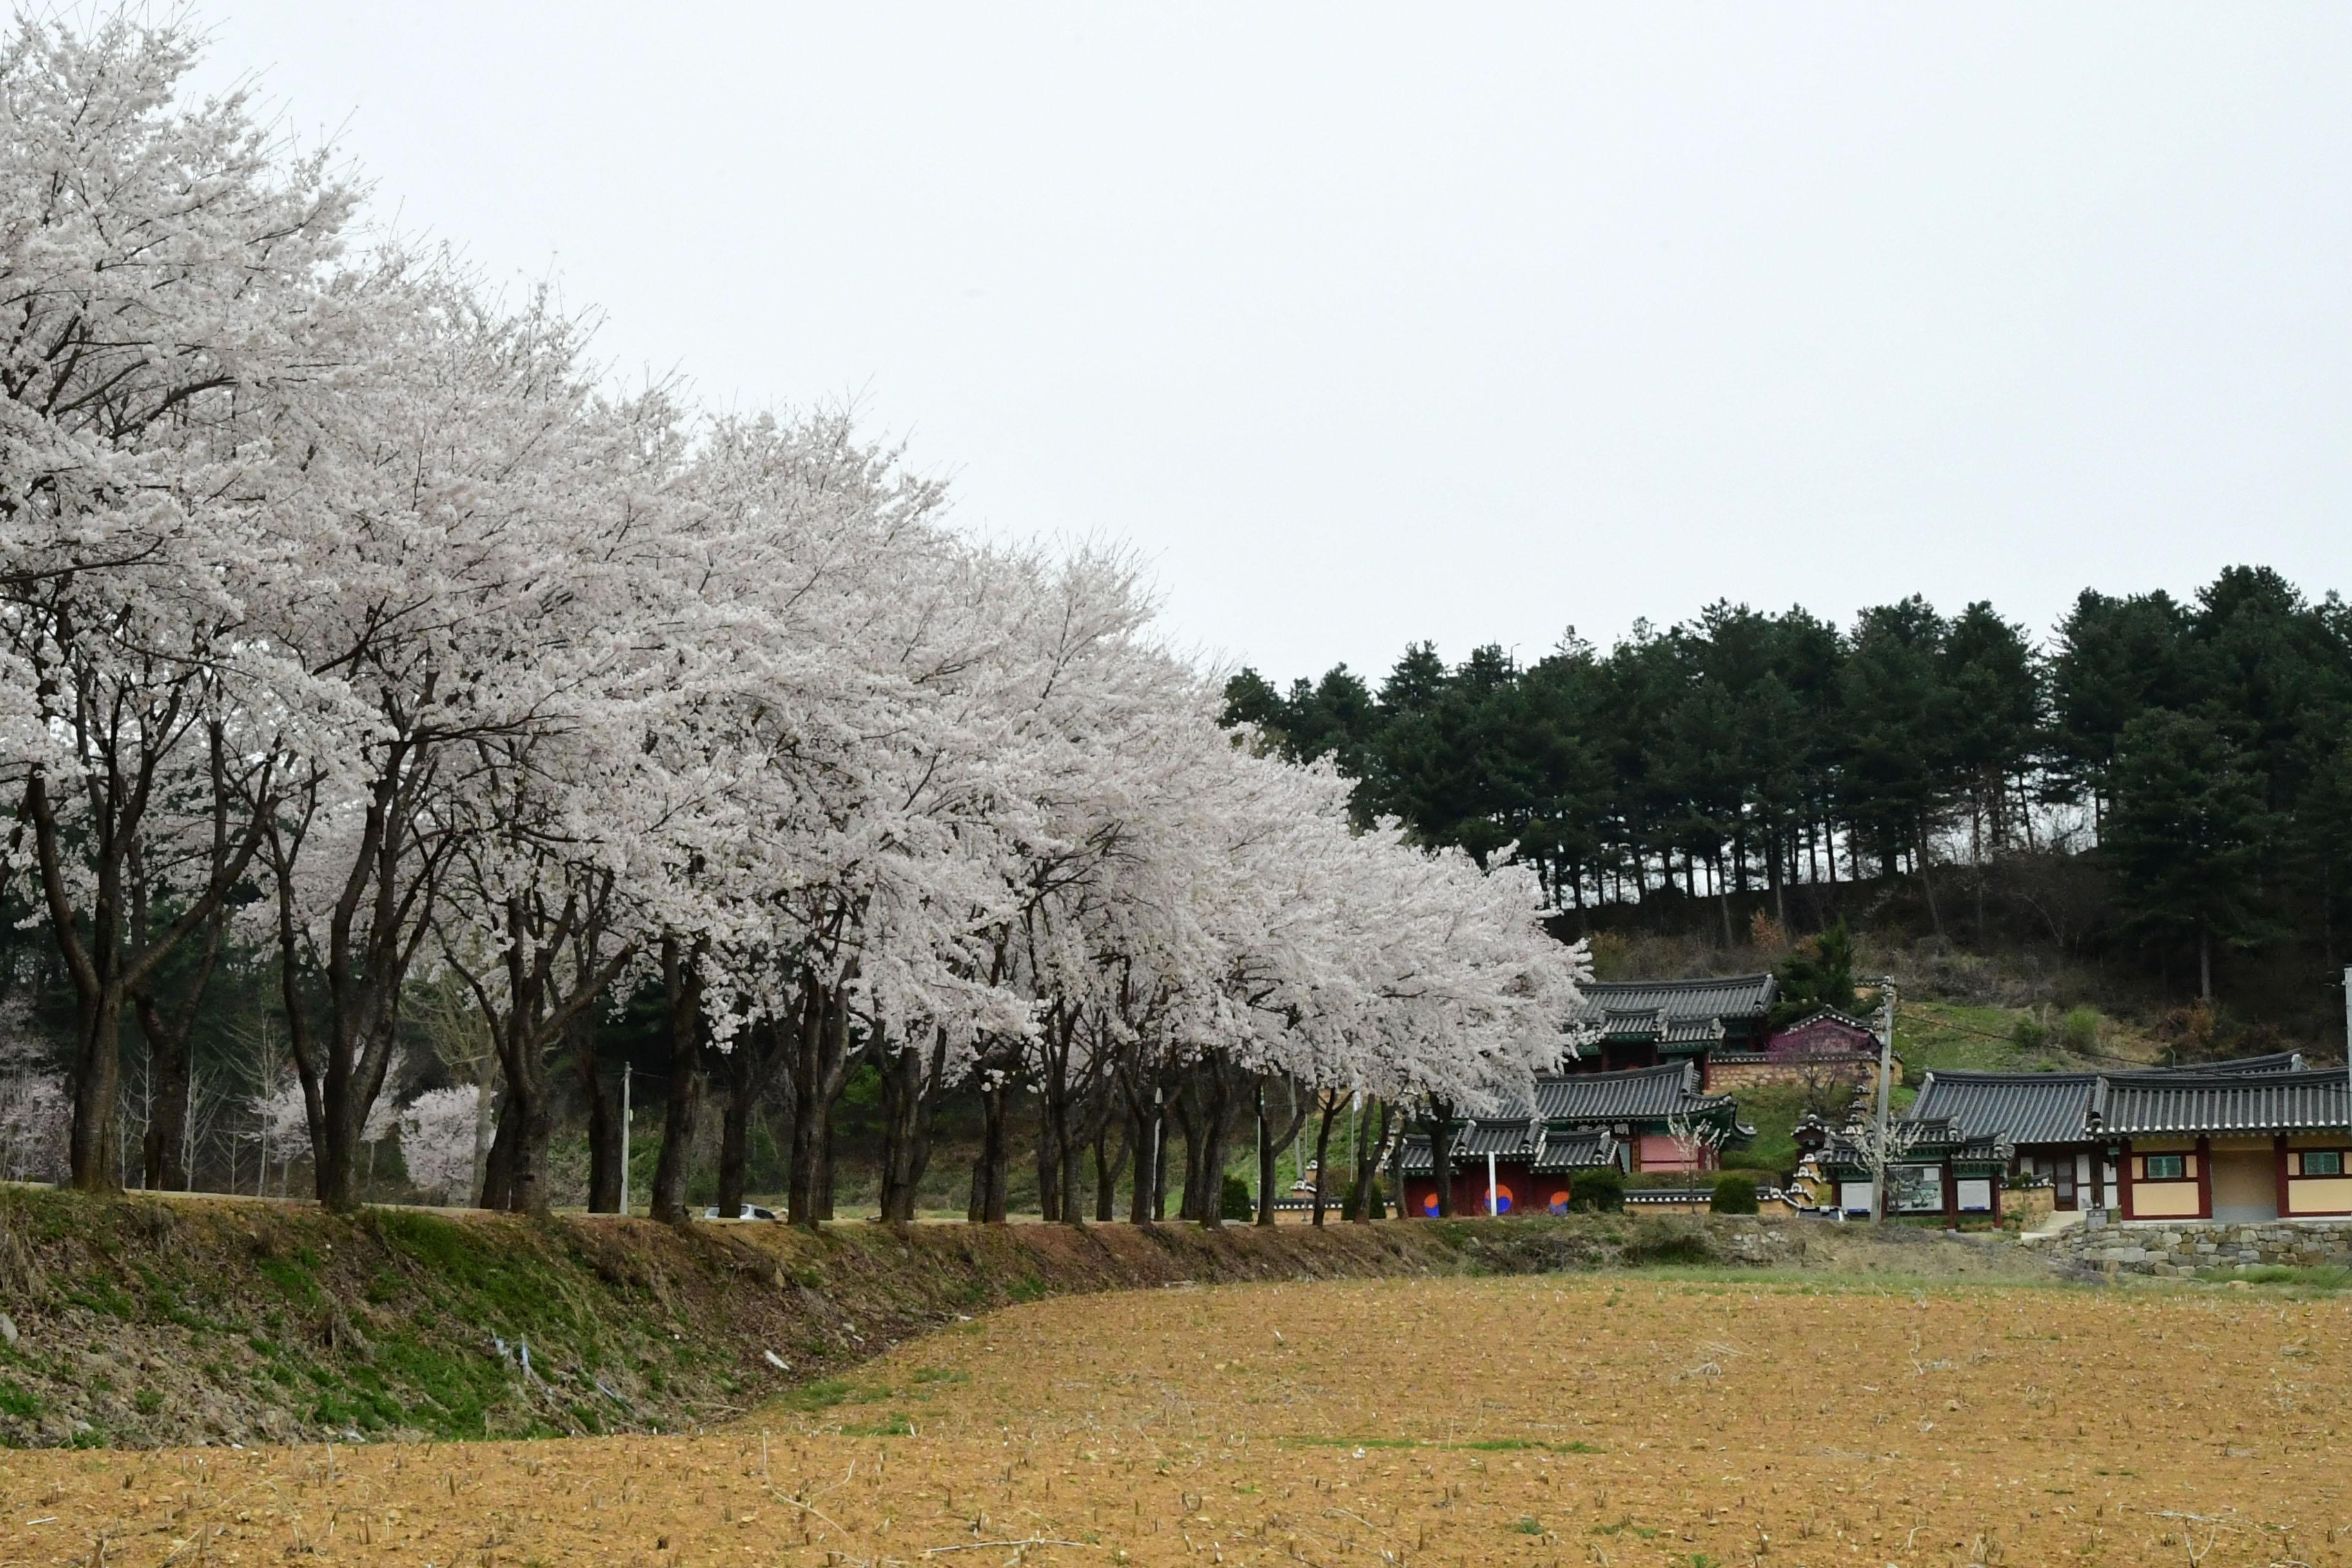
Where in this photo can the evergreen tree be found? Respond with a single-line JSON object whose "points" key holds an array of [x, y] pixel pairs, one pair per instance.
{"points": [[2185, 838]]}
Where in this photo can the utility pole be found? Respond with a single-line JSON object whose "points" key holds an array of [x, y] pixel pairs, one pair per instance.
{"points": [[1885, 1088], [625, 1138], [1158, 1115]]}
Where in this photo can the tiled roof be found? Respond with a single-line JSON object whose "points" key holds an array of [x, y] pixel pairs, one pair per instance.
{"points": [[2052, 1107], [1642, 1094], [1831, 1016], [2126, 1105], [1577, 1148], [1693, 1031], [1516, 1142], [2278, 1061], [1503, 1140], [1935, 1141], [1632, 1023], [1735, 995], [2024, 1108]]}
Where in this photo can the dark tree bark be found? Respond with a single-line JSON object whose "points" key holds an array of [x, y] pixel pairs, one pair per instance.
{"points": [[682, 995], [1049, 1170], [746, 1071], [1183, 1107], [1108, 1168], [1440, 1162], [1270, 1144], [553, 979], [821, 1063], [1215, 1115], [1147, 1137], [111, 958], [989, 1169], [1368, 1151], [602, 1090], [499, 1169], [1158, 1206], [163, 1149], [911, 1085], [1323, 1154]]}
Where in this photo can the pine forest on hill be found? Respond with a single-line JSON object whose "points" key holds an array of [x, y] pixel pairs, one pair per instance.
{"points": [[2158, 797]]}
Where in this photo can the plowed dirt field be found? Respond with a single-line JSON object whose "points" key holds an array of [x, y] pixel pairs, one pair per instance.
{"points": [[1607, 1420]]}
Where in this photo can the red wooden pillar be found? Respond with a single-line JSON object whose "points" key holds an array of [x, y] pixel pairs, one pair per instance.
{"points": [[2123, 1176], [2204, 1178], [2278, 1158]]}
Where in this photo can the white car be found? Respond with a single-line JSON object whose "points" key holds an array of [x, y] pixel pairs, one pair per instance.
{"points": [[749, 1211]]}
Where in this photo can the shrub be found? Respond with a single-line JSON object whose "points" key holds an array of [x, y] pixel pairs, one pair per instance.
{"points": [[1600, 1191], [1234, 1201], [2080, 1030], [1733, 1194], [2030, 1033], [1665, 1242]]}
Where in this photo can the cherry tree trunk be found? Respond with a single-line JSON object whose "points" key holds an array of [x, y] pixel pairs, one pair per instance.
{"points": [[734, 1151], [1441, 1159], [1144, 1133], [821, 1064], [1107, 1169], [1368, 1151], [1323, 1155], [603, 1091], [989, 1169], [682, 992], [162, 1165], [499, 1169], [906, 1127], [93, 1158]]}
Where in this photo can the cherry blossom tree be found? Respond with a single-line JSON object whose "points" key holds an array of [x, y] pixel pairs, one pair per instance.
{"points": [[163, 263]]}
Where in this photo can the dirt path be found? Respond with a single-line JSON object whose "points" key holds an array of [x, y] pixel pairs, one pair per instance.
{"points": [[1606, 1420]]}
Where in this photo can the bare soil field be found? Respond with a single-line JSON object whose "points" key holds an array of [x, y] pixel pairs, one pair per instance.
{"points": [[1616, 1419]]}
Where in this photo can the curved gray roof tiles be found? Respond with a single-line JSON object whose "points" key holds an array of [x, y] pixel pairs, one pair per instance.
{"points": [[2125, 1105], [1641, 1094], [2055, 1107], [1732, 996]]}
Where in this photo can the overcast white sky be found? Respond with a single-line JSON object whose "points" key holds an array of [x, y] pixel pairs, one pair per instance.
{"points": [[1375, 323]]}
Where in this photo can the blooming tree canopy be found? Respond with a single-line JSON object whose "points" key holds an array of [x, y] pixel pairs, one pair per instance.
{"points": [[328, 575]]}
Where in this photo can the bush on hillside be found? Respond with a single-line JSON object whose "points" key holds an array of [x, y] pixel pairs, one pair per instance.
{"points": [[1599, 1192], [1234, 1202], [2080, 1030], [1733, 1194]]}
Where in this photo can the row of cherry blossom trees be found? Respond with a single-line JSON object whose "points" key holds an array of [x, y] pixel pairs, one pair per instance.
{"points": [[353, 622]]}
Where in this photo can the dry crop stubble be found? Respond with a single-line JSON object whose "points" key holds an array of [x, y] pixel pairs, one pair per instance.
{"points": [[1629, 1419]]}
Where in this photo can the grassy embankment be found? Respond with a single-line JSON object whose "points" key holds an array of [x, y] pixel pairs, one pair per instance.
{"points": [[146, 1320]]}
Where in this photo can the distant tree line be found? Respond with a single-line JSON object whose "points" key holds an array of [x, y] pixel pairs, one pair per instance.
{"points": [[2198, 753]]}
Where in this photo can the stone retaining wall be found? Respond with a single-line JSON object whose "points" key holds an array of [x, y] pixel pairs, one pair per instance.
{"points": [[2184, 1246]]}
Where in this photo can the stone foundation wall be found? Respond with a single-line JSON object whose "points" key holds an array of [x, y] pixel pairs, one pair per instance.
{"points": [[1727, 1077], [2168, 1248]]}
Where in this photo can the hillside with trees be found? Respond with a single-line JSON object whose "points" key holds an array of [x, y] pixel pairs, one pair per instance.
{"points": [[2161, 786]]}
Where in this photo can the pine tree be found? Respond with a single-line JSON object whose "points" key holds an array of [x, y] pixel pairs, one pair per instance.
{"points": [[2186, 837]]}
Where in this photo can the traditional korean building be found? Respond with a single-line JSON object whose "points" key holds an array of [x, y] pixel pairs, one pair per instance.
{"points": [[1945, 1170], [2227, 1146], [1651, 1111], [1646, 1023], [1503, 1167], [1968, 1128], [1826, 1044]]}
